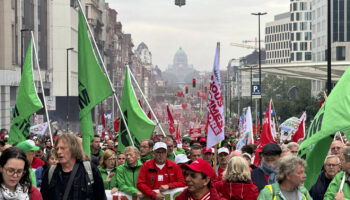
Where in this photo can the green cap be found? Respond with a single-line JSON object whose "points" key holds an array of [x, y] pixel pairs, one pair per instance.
{"points": [[27, 145], [187, 138]]}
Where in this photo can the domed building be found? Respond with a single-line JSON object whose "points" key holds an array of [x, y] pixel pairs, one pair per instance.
{"points": [[180, 71]]}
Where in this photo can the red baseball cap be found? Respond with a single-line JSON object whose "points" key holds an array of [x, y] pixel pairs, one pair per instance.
{"points": [[205, 150], [203, 139], [202, 166]]}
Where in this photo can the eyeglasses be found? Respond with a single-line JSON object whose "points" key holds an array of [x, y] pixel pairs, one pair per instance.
{"points": [[335, 148], [169, 147], [111, 159], [332, 165], [12, 171], [144, 147]]}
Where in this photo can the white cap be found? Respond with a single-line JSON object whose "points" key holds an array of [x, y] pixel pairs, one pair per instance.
{"points": [[248, 155], [159, 145], [223, 150], [181, 158]]}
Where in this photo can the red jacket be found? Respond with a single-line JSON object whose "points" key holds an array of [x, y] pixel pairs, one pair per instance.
{"points": [[186, 194], [37, 162], [151, 177], [236, 190], [35, 194]]}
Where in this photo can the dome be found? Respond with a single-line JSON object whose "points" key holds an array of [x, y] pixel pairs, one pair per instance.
{"points": [[180, 58]]}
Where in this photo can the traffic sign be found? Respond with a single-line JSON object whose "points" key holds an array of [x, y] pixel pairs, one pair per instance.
{"points": [[256, 91]]}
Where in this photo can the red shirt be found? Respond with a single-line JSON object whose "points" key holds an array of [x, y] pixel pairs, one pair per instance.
{"points": [[220, 171]]}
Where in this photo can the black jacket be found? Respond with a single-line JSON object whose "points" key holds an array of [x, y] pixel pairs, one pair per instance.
{"points": [[258, 178], [79, 190], [318, 190]]}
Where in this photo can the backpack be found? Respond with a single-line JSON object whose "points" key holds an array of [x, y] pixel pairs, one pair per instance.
{"points": [[87, 166], [274, 196]]}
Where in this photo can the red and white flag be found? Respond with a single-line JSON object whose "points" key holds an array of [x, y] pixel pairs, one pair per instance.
{"points": [[116, 124], [215, 106], [265, 136], [299, 134], [170, 121]]}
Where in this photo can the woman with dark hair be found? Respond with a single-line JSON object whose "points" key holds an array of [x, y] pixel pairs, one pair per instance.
{"points": [[14, 179], [50, 159]]}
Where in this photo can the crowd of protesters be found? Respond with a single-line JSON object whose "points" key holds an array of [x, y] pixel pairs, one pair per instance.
{"points": [[36, 169]]}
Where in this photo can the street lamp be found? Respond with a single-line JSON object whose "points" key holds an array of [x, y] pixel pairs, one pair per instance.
{"points": [[67, 98], [22, 53], [260, 101]]}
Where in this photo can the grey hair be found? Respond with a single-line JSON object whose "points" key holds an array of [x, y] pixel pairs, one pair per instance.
{"points": [[346, 153], [292, 144], [132, 148], [331, 156], [287, 166]]}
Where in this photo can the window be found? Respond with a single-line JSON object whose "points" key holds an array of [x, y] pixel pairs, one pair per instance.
{"points": [[307, 36], [298, 16], [307, 55], [303, 5], [303, 26], [292, 37], [295, 46], [303, 46], [295, 6], [340, 53], [292, 17], [299, 56], [295, 26], [307, 16], [292, 56], [298, 36]]}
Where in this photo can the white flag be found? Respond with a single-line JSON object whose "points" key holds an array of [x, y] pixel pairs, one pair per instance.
{"points": [[39, 129], [215, 106], [247, 130]]}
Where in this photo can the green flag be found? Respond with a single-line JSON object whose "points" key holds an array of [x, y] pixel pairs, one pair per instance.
{"points": [[27, 101], [140, 126], [333, 116], [93, 84]]}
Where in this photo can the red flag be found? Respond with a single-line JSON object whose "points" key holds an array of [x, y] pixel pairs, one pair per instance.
{"points": [[301, 129], [116, 124], [170, 121], [140, 103], [265, 136], [177, 135], [321, 103], [103, 121], [149, 115]]}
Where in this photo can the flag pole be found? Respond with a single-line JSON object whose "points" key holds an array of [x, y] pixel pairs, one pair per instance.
{"points": [[104, 67], [42, 87], [155, 117]]}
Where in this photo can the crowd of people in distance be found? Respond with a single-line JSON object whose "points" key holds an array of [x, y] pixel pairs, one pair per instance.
{"points": [[37, 169]]}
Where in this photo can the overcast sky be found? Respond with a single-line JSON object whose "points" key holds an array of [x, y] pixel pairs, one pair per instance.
{"points": [[196, 27]]}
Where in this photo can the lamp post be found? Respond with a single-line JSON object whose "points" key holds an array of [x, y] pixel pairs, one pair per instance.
{"points": [[329, 49], [260, 101], [67, 98], [22, 53]]}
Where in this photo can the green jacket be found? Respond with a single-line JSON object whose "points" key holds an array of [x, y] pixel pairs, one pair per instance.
{"points": [[180, 151], [273, 192], [148, 157], [104, 174], [333, 187], [127, 178], [32, 177]]}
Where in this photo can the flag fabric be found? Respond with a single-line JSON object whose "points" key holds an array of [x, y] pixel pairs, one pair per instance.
{"points": [[215, 106], [177, 135], [140, 126], [299, 134], [247, 130], [170, 121], [39, 129], [333, 116], [93, 84], [140, 103], [265, 136], [241, 124], [27, 101], [116, 124], [103, 122]]}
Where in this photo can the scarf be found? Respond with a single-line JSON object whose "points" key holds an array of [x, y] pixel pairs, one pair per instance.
{"points": [[18, 194], [270, 172]]}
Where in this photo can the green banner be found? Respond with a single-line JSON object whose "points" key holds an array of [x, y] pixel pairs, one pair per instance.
{"points": [[333, 116], [93, 84], [140, 126], [27, 101]]}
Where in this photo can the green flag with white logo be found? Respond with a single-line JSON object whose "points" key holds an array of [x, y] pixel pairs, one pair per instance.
{"points": [[333, 116], [93, 84], [27, 101], [140, 126]]}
